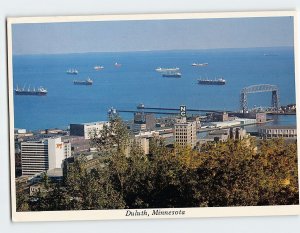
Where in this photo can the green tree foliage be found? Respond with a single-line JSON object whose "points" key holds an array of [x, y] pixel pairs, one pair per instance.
{"points": [[22, 199], [277, 162], [113, 137], [233, 173]]}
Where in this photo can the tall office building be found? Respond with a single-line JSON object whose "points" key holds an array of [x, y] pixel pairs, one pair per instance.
{"points": [[43, 155], [186, 133]]}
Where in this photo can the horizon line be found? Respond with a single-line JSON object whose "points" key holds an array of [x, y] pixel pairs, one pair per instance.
{"points": [[154, 50]]}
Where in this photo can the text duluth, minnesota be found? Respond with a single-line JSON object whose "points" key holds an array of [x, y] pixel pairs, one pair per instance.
{"points": [[153, 212]]}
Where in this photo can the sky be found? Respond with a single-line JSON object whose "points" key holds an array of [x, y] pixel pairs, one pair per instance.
{"points": [[147, 35]]}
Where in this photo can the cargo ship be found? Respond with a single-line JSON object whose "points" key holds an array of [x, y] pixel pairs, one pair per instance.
{"points": [[37, 92], [159, 69], [83, 82], [72, 71], [219, 81], [200, 64], [172, 75], [98, 68]]}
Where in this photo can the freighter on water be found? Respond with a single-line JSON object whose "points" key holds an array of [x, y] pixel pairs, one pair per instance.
{"points": [[160, 69], [72, 71], [171, 75], [98, 68], [200, 64], [38, 92], [83, 82], [219, 81]]}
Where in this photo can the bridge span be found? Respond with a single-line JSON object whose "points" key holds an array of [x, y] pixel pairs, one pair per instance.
{"points": [[256, 89]]}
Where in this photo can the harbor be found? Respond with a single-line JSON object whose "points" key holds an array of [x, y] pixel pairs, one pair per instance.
{"points": [[138, 81]]}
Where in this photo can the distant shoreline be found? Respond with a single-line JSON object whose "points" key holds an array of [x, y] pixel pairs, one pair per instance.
{"points": [[146, 51]]}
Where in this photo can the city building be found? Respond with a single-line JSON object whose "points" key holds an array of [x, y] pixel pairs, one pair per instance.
{"points": [[87, 130], [185, 132], [166, 121], [237, 133], [222, 135], [196, 119], [143, 142], [246, 121], [79, 143], [220, 116], [137, 127], [290, 108], [143, 121], [278, 131], [89, 162], [20, 131], [261, 117], [149, 134], [43, 155], [232, 123], [223, 124], [53, 131]]}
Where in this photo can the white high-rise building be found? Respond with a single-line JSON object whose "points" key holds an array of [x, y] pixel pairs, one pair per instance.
{"points": [[186, 133], [44, 155], [57, 152]]}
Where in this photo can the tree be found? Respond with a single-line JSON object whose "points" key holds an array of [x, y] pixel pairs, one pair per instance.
{"points": [[232, 173], [22, 199], [113, 137], [277, 160], [90, 189]]}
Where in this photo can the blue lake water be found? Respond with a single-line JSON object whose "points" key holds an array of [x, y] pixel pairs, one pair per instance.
{"points": [[136, 81]]}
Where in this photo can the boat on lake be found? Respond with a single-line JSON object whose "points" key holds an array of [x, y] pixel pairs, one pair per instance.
{"points": [[270, 54], [31, 91], [200, 64], [72, 71], [172, 74], [160, 69], [98, 68], [219, 81], [83, 82], [117, 65]]}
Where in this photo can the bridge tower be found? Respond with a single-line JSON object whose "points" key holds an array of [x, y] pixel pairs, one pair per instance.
{"points": [[275, 100], [256, 89]]}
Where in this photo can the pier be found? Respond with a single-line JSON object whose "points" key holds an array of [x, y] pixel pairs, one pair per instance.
{"points": [[142, 107], [150, 112]]}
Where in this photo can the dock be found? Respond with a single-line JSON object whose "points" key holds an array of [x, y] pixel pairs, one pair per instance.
{"points": [[150, 112], [177, 109]]}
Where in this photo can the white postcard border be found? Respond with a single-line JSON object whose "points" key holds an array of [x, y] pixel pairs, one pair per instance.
{"points": [[121, 214]]}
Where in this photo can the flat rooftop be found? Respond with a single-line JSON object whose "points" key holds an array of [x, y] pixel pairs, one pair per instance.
{"points": [[278, 127], [90, 123], [218, 132]]}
